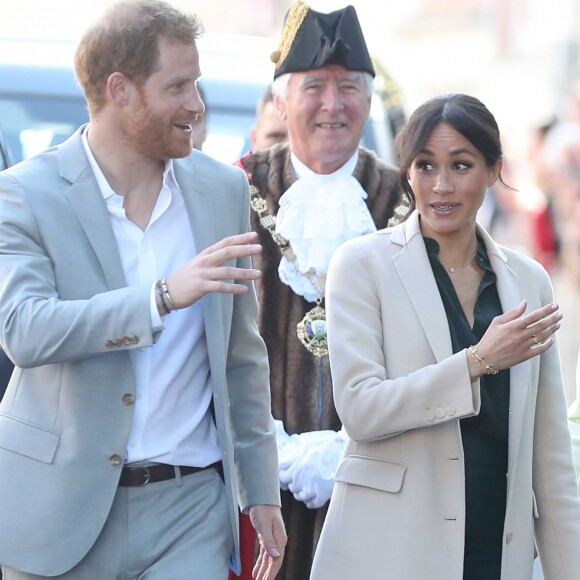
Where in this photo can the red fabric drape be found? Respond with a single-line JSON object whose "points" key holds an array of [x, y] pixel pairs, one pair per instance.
{"points": [[247, 548]]}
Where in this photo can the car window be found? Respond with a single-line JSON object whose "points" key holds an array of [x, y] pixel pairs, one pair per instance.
{"points": [[31, 124]]}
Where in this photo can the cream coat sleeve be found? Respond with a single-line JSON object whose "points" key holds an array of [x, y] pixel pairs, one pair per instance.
{"points": [[574, 426], [372, 399]]}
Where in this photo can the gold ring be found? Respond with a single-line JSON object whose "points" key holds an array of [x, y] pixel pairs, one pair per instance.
{"points": [[534, 339]]}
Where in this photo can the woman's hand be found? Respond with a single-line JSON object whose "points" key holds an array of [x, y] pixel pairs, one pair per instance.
{"points": [[514, 337]]}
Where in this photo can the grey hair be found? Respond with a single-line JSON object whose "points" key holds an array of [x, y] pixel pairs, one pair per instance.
{"points": [[280, 84]]}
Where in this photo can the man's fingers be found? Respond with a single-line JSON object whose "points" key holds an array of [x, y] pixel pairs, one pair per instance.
{"points": [[242, 244], [261, 565], [268, 523], [233, 273], [213, 256], [237, 240]]}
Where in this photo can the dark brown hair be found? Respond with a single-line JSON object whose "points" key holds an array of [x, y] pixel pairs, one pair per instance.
{"points": [[467, 115], [126, 40]]}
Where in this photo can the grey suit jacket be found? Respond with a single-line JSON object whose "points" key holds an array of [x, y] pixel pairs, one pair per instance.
{"points": [[70, 325]]}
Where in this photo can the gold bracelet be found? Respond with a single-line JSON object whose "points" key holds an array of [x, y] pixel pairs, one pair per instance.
{"points": [[166, 296], [487, 368]]}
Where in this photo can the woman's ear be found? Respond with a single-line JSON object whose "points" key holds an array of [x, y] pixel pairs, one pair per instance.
{"points": [[495, 172]]}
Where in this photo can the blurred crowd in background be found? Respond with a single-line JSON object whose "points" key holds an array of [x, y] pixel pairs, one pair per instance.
{"points": [[541, 216]]}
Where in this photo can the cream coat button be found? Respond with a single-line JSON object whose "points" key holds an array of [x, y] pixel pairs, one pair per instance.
{"points": [[508, 537], [430, 416], [115, 459], [440, 413], [129, 399], [451, 411]]}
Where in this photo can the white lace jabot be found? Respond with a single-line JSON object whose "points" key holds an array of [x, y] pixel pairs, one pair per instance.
{"points": [[317, 214]]}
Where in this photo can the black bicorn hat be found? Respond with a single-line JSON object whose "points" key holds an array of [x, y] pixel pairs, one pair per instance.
{"points": [[311, 40]]}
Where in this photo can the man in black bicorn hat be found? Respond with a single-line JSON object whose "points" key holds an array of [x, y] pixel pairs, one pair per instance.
{"points": [[309, 196]]}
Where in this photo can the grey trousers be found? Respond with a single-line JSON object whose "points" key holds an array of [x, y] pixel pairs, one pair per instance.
{"points": [[177, 529]]}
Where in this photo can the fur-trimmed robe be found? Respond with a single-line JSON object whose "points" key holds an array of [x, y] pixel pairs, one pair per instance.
{"points": [[300, 382]]}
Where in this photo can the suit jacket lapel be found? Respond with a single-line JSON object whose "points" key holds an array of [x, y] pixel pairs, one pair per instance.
{"points": [[86, 200], [195, 187], [414, 269]]}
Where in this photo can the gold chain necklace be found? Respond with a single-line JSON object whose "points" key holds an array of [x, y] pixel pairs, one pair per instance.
{"points": [[311, 330]]}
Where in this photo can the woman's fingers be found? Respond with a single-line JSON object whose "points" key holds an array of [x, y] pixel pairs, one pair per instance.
{"points": [[515, 337], [537, 316], [542, 323]]}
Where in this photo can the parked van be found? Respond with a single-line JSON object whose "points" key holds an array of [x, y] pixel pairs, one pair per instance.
{"points": [[41, 103], [5, 157]]}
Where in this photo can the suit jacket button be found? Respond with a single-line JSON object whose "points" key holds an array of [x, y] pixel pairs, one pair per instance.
{"points": [[115, 459], [125, 340], [129, 399], [134, 339], [109, 343], [508, 537]]}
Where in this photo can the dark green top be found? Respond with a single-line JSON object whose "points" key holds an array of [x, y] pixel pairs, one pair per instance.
{"points": [[485, 436]]}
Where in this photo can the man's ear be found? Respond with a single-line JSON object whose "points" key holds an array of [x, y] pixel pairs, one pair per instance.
{"points": [[280, 105], [119, 89], [253, 133]]}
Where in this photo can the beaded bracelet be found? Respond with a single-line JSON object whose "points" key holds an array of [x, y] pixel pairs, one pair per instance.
{"points": [[162, 300], [487, 368], [166, 296]]}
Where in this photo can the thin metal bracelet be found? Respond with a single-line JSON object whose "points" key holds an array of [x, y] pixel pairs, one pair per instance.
{"points": [[166, 296], [487, 368], [159, 292]]}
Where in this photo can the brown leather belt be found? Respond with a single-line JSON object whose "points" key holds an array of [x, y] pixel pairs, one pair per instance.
{"points": [[137, 476]]}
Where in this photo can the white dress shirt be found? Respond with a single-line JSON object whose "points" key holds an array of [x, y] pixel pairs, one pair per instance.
{"points": [[172, 422]]}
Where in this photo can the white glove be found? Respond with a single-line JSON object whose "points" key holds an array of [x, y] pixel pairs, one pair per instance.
{"points": [[282, 438], [292, 447], [310, 476], [288, 448]]}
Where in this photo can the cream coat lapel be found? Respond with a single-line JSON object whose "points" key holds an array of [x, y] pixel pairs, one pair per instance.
{"points": [[510, 296], [412, 265], [86, 200]]}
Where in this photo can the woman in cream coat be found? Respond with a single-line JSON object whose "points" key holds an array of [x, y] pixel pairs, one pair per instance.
{"points": [[447, 380]]}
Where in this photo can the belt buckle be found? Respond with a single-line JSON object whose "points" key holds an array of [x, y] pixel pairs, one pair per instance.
{"points": [[144, 471]]}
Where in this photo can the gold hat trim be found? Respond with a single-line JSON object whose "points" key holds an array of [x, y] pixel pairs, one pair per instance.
{"points": [[296, 17]]}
